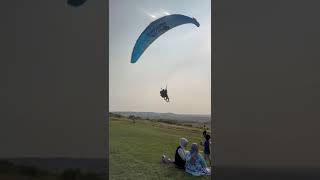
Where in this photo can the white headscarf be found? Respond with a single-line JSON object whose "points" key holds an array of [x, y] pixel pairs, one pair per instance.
{"points": [[183, 142]]}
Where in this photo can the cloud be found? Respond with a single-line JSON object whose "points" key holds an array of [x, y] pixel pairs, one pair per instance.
{"points": [[156, 14]]}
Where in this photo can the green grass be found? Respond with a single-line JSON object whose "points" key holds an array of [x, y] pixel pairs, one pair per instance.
{"points": [[136, 149]]}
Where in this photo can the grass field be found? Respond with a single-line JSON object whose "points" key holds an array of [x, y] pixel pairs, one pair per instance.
{"points": [[136, 149]]}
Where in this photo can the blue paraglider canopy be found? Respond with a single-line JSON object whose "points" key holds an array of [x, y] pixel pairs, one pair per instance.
{"points": [[156, 29], [76, 3]]}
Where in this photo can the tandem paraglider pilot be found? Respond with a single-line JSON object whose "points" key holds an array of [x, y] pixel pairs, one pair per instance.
{"points": [[164, 94]]}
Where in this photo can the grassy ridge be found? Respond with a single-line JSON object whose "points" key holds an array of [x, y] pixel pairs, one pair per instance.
{"points": [[136, 149]]}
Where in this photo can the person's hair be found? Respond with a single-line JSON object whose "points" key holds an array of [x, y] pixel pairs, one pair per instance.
{"points": [[194, 151], [208, 137], [194, 148], [204, 132]]}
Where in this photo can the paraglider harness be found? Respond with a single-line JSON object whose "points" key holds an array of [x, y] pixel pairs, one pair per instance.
{"points": [[164, 94]]}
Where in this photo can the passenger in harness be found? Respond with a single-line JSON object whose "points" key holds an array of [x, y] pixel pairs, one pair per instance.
{"points": [[164, 94]]}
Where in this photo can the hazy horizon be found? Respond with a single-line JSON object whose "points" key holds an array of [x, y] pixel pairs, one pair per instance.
{"points": [[159, 112], [180, 54]]}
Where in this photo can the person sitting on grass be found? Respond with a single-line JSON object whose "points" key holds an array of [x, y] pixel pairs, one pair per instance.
{"points": [[179, 158], [195, 164]]}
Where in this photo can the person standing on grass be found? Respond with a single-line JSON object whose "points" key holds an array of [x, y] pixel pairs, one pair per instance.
{"points": [[204, 133], [206, 150]]}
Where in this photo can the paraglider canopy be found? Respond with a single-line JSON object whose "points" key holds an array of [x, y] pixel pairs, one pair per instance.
{"points": [[76, 3], [156, 29]]}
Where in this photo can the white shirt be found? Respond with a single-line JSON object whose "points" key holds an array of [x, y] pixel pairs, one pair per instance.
{"points": [[182, 153]]}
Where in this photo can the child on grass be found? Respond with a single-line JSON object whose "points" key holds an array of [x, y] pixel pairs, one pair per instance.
{"points": [[206, 150], [204, 133]]}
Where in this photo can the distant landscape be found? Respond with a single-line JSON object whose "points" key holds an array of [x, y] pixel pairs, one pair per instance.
{"points": [[195, 118]]}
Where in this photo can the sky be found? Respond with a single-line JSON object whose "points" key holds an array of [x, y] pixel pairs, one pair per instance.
{"points": [[180, 58]]}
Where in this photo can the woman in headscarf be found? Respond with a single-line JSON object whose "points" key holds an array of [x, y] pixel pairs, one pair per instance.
{"points": [[179, 158], [195, 164]]}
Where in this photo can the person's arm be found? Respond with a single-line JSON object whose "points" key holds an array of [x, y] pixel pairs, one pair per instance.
{"points": [[187, 156], [181, 154]]}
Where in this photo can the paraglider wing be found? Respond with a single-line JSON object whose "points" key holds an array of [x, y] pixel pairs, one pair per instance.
{"points": [[156, 29]]}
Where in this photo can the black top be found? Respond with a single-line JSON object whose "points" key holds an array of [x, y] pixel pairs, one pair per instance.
{"points": [[180, 163]]}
